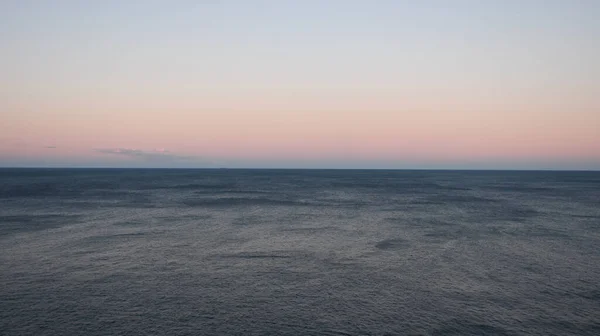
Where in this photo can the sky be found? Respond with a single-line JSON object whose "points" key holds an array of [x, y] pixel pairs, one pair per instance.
{"points": [[506, 84]]}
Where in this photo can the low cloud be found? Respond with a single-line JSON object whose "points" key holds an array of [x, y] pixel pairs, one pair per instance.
{"points": [[50, 147], [159, 154]]}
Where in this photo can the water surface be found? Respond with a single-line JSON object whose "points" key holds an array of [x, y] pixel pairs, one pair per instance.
{"points": [[299, 252]]}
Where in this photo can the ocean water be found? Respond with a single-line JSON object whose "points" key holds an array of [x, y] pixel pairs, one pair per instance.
{"points": [[299, 252]]}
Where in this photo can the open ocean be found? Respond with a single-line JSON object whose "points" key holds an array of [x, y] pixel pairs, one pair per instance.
{"points": [[299, 252]]}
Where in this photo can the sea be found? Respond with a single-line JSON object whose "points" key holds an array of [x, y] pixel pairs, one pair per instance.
{"points": [[299, 252]]}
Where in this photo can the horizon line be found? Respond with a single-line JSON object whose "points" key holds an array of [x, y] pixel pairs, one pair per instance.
{"points": [[283, 168]]}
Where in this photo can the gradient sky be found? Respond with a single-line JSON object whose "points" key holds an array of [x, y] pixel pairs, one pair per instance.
{"points": [[319, 84]]}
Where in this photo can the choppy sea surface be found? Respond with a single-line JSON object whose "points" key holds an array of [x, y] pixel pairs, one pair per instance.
{"points": [[299, 252]]}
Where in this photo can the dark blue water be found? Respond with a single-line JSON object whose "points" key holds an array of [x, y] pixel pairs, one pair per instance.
{"points": [[299, 252]]}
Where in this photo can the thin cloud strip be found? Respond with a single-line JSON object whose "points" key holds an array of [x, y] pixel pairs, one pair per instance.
{"points": [[155, 155]]}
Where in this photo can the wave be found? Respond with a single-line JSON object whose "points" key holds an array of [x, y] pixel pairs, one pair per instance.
{"points": [[10, 224], [244, 201]]}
